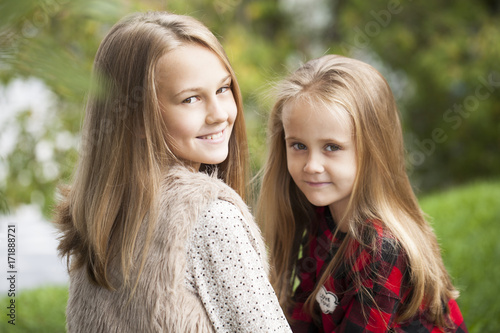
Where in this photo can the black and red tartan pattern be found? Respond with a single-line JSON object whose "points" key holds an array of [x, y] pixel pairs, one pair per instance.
{"points": [[384, 277]]}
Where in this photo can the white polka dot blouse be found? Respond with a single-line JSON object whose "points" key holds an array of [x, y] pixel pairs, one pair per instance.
{"points": [[224, 268]]}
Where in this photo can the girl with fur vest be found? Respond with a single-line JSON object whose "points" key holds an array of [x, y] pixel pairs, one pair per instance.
{"points": [[350, 247], [154, 227]]}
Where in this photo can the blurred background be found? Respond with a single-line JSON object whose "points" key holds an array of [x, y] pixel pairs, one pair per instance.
{"points": [[441, 59]]}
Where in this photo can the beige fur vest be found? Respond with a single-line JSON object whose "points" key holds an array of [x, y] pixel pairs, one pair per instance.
{"points": [[161, 302]]}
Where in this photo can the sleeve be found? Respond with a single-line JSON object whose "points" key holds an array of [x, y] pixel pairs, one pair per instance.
{"points": [[374, 310], [228, 274]]}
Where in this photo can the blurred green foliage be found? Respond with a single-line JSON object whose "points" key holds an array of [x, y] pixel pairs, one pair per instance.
{"points": [[40, 310], [448, 56], [465, 220], [441, 60]]}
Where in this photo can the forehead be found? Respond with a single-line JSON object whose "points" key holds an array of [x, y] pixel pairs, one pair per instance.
{"points": [[189, 65], [316, 116]]}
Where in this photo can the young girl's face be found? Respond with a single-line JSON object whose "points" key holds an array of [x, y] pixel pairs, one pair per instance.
{"points": [[198, 107], [320, 154]]}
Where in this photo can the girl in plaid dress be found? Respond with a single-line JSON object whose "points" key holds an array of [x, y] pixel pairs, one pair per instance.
{"points": [[349, 244]]}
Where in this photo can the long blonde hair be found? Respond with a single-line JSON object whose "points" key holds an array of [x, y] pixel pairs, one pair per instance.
{"points": [[381, 190], [124, 151]]}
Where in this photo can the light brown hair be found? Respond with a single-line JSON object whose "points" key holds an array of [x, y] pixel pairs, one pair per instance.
{"points": [[124, 151], [381, 190]]}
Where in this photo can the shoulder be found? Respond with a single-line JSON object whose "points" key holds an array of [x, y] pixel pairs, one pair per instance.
{"points": [[223, 224], [221, 220], [386, 249], [180, 183], [385, 245], [182, 198], [389, 262], [221, 209], [181, 187], [219, 234]]}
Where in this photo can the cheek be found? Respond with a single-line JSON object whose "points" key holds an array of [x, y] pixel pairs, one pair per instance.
{"points": [[353, 166], [179, 128], [344, 176], [293, 165], [349, 171], [289, 163], [231, 109]]}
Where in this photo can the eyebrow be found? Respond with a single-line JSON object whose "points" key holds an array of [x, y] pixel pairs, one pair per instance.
{"points": [[196, 89], [325, 140]]}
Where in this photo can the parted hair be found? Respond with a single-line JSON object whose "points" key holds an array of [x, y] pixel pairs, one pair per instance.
{"points": [[124, 149], [381, 190]]}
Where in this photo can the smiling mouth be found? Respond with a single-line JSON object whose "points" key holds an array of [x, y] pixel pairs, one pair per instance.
{"points": [[212, 136]]}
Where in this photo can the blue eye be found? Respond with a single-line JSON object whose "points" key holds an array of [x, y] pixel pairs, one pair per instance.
{"points": [[332, 147], [299, 146]]}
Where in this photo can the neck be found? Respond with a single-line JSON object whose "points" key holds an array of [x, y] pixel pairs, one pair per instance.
{"points": [[338, 217], [192, 166]]}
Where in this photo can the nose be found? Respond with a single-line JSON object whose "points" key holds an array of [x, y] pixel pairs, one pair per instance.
{"points": [[313, 164], [216, 113]]}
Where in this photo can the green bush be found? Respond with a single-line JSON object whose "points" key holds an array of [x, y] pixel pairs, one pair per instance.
{"points": [[39, 310], [465, 220]]}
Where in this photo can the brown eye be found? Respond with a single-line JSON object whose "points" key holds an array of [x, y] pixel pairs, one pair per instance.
{"points": [[190, 100], [222, 90]]}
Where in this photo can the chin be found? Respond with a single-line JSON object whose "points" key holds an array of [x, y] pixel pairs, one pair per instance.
{"points": [[318, 202], [216, 159]]}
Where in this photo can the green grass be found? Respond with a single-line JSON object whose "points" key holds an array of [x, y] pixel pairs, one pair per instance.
{"points": [[466, 221], [39, 310]]}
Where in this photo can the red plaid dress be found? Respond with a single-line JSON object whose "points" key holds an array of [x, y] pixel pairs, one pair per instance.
{"points": [[384, 275]]}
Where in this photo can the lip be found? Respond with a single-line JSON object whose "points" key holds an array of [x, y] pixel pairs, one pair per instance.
{"points": [[317, 184], [214, 137]]}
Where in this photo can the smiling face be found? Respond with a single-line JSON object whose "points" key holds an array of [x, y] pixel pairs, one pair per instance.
{"points": [[198, 107], [321, 155]]}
